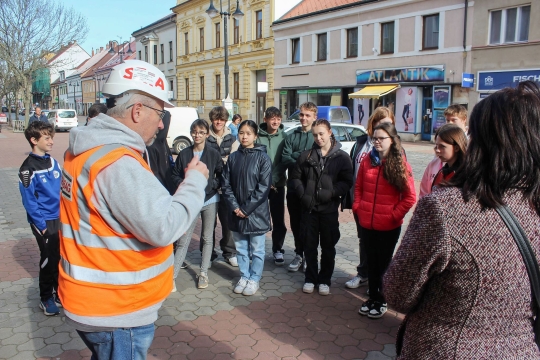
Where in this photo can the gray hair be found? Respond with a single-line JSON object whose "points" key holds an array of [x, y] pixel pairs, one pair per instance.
{"points": [[129, 98]]}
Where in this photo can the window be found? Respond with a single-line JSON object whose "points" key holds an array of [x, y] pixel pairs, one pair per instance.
{"points": [[171, 84], [387, 38], [62, 75], [236, 32], [202, 87], [352, 42], [155, 54], [258, 25], [218, 35], [140, 56], [431, 32], [186, 81], [321, 47], [236, 88], [186, 45], [170, 51], [162, 53], [201, 39], [295, 50], [339, 133], [146, 53], [509, 25], [218, 87]]}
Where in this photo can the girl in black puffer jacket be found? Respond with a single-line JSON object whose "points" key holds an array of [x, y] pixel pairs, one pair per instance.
{"points": [[320, 178], [246, 182]]}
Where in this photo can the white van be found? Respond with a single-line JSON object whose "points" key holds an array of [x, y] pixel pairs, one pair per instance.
{"points": [[179, 136], [63, 119]]}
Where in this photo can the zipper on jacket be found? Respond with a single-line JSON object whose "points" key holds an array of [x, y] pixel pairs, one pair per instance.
{"points": [[375, 197]]}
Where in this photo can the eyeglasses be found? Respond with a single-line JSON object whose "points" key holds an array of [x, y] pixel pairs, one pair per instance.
{"points": [[161, 113], [379, 139], [198, 133]]}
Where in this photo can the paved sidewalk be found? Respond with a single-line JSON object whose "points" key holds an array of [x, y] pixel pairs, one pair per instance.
{"points": [[279, 322]]}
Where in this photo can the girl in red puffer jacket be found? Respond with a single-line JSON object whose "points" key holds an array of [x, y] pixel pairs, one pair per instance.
{"points": [[383, 194]]}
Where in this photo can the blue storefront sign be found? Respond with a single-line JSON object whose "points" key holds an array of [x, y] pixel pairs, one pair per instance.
{"points": [[496, 80], [467, 80], [401, 75]]}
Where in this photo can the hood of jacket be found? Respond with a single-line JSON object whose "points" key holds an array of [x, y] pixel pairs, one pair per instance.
{"points": [[319, 159], [375, 157], [256, 147], [263, 130], [216, 138], [103, 130]]}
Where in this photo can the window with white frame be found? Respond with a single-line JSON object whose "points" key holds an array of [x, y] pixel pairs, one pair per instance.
{"points": [[387, 38], [321, 47], [352, 42], [509, 25], [295, 43], [431, 32]]}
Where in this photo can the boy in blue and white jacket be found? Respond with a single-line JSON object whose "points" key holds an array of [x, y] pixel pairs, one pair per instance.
{"points": [[39, 184]]}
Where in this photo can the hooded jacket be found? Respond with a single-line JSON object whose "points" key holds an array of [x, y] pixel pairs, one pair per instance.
{"points": [[225, 144], [378, 204], [274, 148], [245, 184], [130, 198], [319, 181], [159, 156], [295, 144]]}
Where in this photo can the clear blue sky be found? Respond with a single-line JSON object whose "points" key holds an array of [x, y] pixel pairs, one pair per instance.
{"points": [[108, 19]]}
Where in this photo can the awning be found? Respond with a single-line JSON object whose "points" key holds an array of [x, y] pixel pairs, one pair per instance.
{"points": [[374, 91]]}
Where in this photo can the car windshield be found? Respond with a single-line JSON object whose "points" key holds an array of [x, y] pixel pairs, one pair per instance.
{"points": [[66, 114]]}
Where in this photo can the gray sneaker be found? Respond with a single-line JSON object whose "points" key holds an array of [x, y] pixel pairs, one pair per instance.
{"points": [[356, 282], [296, 263], [203, 281]]}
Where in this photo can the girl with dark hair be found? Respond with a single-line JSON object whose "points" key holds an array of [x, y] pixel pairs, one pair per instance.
{"points": [[450, 148], [383, 194], [459, 275], [246, 183], [322, 175], [236, 120], [212, 158]]}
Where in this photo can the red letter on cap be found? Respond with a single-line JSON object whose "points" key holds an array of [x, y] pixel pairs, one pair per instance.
{"points": [[129, 73], [160, 83]]}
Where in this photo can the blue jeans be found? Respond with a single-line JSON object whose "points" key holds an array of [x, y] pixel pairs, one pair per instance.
{"points": [[247, 244], [120, 344]]}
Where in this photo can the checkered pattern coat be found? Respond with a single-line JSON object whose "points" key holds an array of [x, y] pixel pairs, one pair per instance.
{"points": [[460, 279]]}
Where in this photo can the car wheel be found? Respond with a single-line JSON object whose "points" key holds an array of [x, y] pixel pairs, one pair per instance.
{"points": [[180, 144]]}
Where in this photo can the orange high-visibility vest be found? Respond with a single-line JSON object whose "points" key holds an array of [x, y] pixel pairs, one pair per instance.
{"points": [[105, 270]]}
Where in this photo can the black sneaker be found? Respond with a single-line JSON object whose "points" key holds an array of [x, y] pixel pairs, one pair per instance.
{"points": [[184, 265], [213, 256], [278, 258], [378, 310], [366, 307]]}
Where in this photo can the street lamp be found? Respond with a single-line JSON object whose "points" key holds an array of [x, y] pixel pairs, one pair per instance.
{"points": [[213, 12], [74, 84], [120, 50]]}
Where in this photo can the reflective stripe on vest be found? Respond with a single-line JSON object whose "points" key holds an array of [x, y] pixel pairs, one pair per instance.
{"points": [[100, 259]]}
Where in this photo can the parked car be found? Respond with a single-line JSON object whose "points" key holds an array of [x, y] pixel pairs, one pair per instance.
{"points": [[179, 136], [63, 119], [22, 111], [4, 109], [346, 134], [330, 113]]}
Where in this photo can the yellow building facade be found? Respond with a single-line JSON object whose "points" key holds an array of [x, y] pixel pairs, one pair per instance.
{"points": [[201, 57]]}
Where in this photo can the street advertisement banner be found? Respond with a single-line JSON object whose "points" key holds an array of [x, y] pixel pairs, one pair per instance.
{"points": [[441, 97], [438, 120], [406, 109]]}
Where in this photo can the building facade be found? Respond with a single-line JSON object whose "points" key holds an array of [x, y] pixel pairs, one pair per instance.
{"points": [[156, 44], [505, 45], [408, 55], [201, 54]]}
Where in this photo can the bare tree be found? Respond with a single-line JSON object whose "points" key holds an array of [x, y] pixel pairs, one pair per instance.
{"points": [[29, 31]]}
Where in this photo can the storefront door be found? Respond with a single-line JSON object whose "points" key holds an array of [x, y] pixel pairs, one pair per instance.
{"points": [[261, 107], [427, 117]]}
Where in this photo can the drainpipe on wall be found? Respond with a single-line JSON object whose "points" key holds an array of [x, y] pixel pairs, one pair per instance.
{"points": [[465, 36]]}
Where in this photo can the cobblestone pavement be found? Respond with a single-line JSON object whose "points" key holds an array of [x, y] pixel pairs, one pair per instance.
{"points": [[279, 322]]}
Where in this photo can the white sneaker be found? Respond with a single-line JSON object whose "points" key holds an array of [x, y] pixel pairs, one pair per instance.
{"points": [[308, 288], [240, 285], [295, 263], [324, 289], [278, 258], [356, 281], [233, 261], [173, 286], [251, 288]]}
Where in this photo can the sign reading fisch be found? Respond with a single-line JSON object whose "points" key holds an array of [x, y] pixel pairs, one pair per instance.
{"points": [[496, 80], [400, 75]]}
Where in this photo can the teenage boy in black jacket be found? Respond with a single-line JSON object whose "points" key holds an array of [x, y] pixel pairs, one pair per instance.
{"points": [[39, 184]]}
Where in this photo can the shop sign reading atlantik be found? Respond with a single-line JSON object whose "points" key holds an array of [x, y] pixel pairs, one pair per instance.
{"points": [[401, 75]]}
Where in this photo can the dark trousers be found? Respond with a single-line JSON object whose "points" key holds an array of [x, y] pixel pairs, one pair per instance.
{"points": [[226, 243], [294, 206], [49, 248], [320, 229], [380, 247], [362, 268], [277, 212]]}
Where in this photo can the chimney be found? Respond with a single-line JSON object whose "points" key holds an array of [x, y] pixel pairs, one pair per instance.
{"points": [[92, 52], [101, 49]]}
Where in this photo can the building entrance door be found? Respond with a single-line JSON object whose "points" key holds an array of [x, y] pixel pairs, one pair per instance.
{"points": [[261, 106], [427, 117]]}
